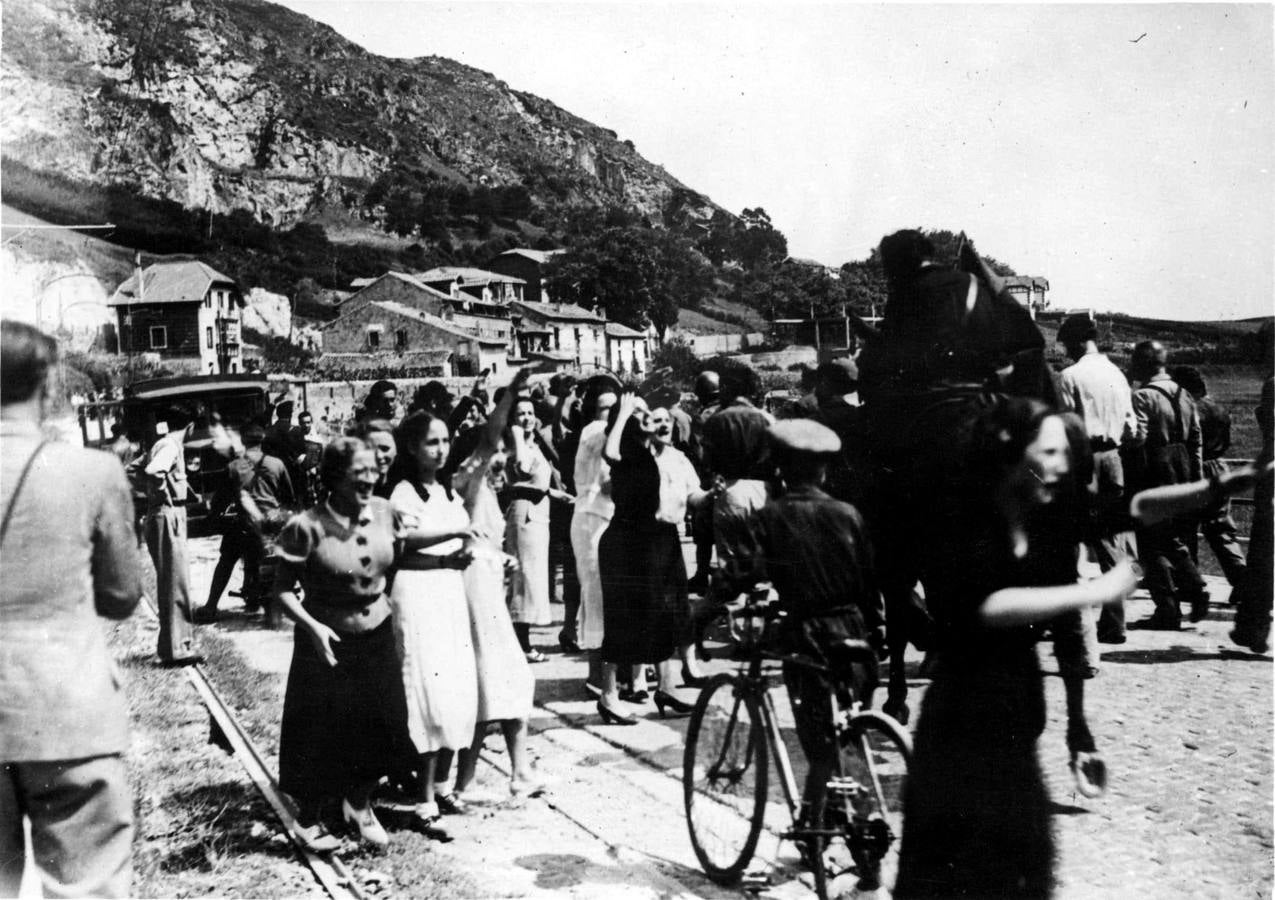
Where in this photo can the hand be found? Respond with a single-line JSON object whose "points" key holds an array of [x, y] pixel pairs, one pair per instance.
{"points": [[1118, 582], [511, 563], [520, 379], [324, 637], [561, 496], [458, 560], [1237, 481], [627, 404]]}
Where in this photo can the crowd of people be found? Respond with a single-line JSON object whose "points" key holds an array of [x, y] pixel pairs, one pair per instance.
{"points": [[935, 489]]}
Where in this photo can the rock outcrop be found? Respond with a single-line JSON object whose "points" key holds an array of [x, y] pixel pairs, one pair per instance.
{"points": [[241, 104]]}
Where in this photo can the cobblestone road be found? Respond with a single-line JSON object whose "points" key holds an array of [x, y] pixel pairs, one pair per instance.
{"points": [[1184, 721]]}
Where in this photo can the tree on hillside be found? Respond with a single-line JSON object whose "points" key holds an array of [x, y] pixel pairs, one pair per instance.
{"points": [[750, 240], [639, 275]]}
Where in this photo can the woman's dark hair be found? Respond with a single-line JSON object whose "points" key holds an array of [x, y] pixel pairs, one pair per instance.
{"points": [[26, 355], [1190, 378], [903, 252], [410, 432], [1002, 433], [336, 459], [588, 408], [460, 413]]}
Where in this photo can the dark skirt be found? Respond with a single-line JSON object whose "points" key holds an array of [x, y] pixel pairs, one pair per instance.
{"points": [[644, 602], [976, 814], [343, 725]]}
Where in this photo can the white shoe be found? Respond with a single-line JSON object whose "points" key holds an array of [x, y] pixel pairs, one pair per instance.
{"points": [[364, 822]]}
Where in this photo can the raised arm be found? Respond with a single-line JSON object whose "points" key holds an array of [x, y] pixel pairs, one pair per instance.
{"points": [[1024, 605], [626, 405], [1159, 504]]}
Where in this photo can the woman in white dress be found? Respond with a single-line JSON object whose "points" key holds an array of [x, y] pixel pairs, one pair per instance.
{"points": [[431, 613], [531, 484], [506, 686], [593, 510]]}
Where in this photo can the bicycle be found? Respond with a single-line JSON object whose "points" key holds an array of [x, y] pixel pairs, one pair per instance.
{"points": [[854, 821]]}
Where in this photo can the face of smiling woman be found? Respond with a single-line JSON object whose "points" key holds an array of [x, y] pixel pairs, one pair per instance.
{"points": [[384, 449], [355, 490], [1048, 457], [432, 449]]}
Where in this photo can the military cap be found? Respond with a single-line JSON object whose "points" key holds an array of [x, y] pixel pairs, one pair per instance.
{"points": [[804, 436]]}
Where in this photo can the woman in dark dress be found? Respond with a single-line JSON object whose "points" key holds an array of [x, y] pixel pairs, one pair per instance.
{"points": [[344, 711], [976, 811], [644, 599]]}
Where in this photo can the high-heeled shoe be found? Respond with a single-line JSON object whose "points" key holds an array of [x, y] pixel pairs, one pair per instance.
{"points": [[679, 707], [611, 717], [364, 822]]}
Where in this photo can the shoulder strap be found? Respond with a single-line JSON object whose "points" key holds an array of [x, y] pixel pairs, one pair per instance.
{"points": [[1174, 401], [13, 500]]}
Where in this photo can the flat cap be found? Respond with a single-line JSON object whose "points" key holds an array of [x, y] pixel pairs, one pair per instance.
{"points": [[805, 436]]}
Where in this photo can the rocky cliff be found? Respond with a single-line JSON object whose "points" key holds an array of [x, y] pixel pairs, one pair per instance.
{"points": [[241, 104]]}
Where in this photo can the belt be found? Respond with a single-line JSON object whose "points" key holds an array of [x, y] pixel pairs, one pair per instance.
{"points": [[1102, 444]]}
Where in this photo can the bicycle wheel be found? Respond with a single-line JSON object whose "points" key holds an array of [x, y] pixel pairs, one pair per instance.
{"points": [[724, 777], [863, 806]]}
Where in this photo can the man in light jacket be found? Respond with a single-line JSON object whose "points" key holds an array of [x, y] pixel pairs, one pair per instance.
{"points": [[69, 557]]}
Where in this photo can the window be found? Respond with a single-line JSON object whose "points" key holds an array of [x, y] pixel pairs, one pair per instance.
{"points": [[208, 297], [577, 336], [462, 349], [159, 337], [400, 339], [373, 339], [556, 343], [208, 340]]}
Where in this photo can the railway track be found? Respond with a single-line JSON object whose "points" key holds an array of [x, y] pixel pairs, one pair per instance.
{"points": [[329, 870]]}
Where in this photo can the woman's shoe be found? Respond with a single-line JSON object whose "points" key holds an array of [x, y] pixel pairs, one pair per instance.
{"points": [[451, 805], [425, 820], [364, 822], [634, 696], [526, 788], [679, 707], [568, 644], [611, 717], [535, 656], [692, 680], [316, 838]]}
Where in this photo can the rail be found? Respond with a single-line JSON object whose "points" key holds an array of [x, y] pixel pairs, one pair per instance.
{"points": [[330, 871]]}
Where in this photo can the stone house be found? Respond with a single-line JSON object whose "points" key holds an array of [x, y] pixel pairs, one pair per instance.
{"points": [[527, 265], [627, 349], [483, 318], [564, 328], [183, 311], [477, 284], [389, 333]]}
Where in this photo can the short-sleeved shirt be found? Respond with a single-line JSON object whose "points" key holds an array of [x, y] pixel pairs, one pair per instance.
{"points": [[339, 565]]}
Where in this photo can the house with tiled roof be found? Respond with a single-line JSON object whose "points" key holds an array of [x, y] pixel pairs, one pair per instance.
{"points": [[529, 265], [628, 350], [182, 311], [486, 319], [388, 333], [1029, 290], [478, 284], [563, 327]]}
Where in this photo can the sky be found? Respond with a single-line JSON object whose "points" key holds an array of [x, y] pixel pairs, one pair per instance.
{"points": [[1123, 152]]}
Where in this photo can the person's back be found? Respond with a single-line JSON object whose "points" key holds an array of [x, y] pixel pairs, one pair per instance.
{"points": [[69, 557]]}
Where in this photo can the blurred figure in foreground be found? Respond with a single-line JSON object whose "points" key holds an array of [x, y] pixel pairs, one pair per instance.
{"points": [[63, 721]]}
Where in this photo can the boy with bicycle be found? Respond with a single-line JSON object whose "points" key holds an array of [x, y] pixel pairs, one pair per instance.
{"points": [[816, 554]]}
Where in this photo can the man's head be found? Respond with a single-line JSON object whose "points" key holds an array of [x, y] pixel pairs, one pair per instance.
{"points": [[252, 435], [305, 421], [708, 386], [283, 412], [1075, 334], [561, 385], [382, 400], [835, 379], [904, 253], [26, 357], [1190, 378], [1149, 358], [739, 381], [801, 449]]}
